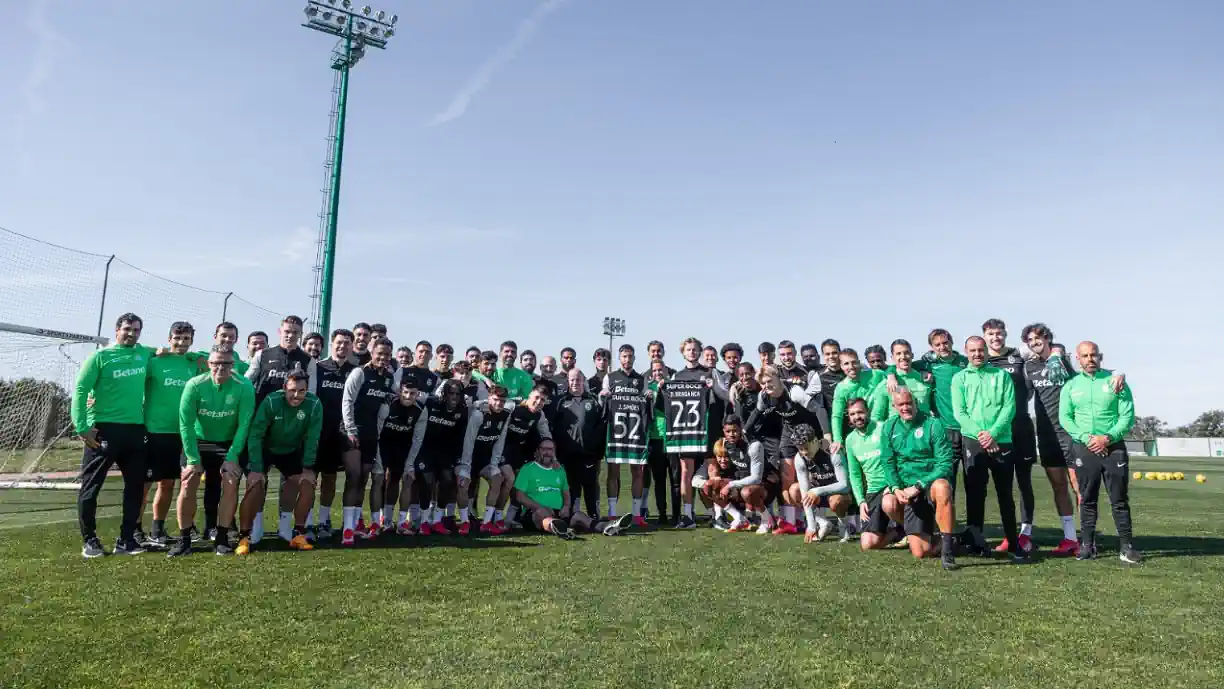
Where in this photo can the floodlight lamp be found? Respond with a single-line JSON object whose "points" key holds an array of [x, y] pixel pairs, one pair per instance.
{"points": [[311, 11], [340, 19], [331, 2], [365, 9], [394, 18], [381, 15], [327, 16], [373, 32], [346, 3]]}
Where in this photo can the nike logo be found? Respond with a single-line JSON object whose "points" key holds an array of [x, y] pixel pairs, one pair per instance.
{"points": [[1121, 464]]}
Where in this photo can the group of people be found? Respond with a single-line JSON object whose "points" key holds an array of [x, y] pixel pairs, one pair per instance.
{"points": [[805, 441]]}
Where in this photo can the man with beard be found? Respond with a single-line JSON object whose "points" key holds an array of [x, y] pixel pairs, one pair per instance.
{"points": [[527, 362], [361, 343]]}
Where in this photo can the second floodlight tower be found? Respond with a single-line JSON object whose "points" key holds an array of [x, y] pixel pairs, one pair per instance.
{"points": [[357, 28]]}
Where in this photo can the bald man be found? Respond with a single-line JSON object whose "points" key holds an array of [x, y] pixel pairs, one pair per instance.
{"points": [[984, 404], [1098, 418]]}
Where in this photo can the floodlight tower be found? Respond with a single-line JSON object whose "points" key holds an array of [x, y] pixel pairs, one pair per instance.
{"points": [[613, 328], [357, 28]]}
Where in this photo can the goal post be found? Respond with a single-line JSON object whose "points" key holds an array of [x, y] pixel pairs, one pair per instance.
{"points": [[38, 367]]}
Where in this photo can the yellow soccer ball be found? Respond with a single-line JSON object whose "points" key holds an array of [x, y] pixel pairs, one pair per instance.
{"points": [[1164, 476], [1201, 478], [1151, 476], [1137, 476], [1179, 476]]}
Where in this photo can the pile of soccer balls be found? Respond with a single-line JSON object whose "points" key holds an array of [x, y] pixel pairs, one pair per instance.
{"points": [[1166, 476]]}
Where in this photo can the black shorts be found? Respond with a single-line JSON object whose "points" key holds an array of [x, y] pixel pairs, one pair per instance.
{"points": [[1024, 440], [1054, 446], [163, 456], [330, 457], [367, 444], [772, 483], [433, 468], [289, 464], [787, 450], [212, 455], [877, 518], [920, 515], [395, 457]]}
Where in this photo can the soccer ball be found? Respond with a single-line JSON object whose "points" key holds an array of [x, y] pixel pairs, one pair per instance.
{"points": [[1179, 476], [1151, 476], [1161, 476], [1137, 476], [1201, 478]]}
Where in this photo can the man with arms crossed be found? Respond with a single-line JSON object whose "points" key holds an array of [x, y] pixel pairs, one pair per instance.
{"points": [[1098, 418]]}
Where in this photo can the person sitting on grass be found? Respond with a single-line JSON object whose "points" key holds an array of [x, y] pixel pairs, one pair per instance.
{"points": [[543, 490]]}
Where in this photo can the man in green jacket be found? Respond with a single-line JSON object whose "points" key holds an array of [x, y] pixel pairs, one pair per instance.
{"points": [[1098, 418], [868, 456], [984, 403], [284, 434], [515, 380], [214, 418], [901, 373], [920, 458], [857, 383]]}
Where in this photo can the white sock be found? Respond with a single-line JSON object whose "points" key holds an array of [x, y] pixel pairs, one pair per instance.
{"points": [[285, 529], [350, 517], [498, 515], [437, 516], [819, 521], [450, 509], [611, 507], [490, 513], [414, 514], [1026, 529], [767, 518], [257, 528], [310, 518], [511, 513], [386, 513], [734, 512], [463, 514], [718, 511], [687, 509], [324, 514], [1068, 528], [809, 513], [788, 513], [637, 506]]}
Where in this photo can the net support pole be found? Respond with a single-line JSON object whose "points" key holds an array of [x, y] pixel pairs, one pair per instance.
{"points": [[225, 306], [105, 285]]}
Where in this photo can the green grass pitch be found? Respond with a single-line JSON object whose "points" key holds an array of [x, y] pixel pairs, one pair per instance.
{"points": [[650, 610]]}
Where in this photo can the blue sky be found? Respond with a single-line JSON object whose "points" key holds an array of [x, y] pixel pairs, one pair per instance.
{"points": [[730, 170]]}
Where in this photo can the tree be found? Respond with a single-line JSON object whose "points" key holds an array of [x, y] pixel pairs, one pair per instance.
{"points": [[1209, 424], [1147, 428]]}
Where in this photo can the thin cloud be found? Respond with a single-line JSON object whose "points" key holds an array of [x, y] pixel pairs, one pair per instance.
{"points": [[48, 46], [526, 31]]}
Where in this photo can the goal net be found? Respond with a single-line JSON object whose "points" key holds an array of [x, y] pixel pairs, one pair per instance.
{"points": [[37, 369]]}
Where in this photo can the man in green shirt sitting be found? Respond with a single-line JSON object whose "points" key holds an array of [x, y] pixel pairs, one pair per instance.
{"points": [[542, 489], [920, 458], [284, 434], [1098, 418], [214, 418]]}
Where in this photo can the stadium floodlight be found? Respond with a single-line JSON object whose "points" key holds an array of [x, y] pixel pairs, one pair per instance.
{"points": [[613, 328], [357, 29]]}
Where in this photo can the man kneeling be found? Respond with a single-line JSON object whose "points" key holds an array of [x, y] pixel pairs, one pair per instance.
{"points": [[542, 489], [920, 458], [736, 476], [820, 483]]}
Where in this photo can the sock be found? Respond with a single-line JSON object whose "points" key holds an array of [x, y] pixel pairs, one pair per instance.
{"points": [[414, 514], [498, 515], [611, 507], [350, 517], [688, 510], [734, 512], [433, 507], [257, 528], [450, 509], [159, 527], [1026, 529], [310, 519], [1068, 528], [767, 519], [437, 516], [386, 513], [222, 534], [463, 514], [325, 514], [946, 545], [788, 513], [809, 513], [637, 506], [185, 535], [286, 523], [511, 513], [718, 511], [489, 515]]}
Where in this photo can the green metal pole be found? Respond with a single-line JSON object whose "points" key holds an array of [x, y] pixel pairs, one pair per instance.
{"points": [[329, 248]]}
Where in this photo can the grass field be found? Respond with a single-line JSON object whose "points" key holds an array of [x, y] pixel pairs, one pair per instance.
{"points": [[655, 609]]}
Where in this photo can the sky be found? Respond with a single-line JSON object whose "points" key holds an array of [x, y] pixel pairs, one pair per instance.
{"points": [[728, 170]]}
